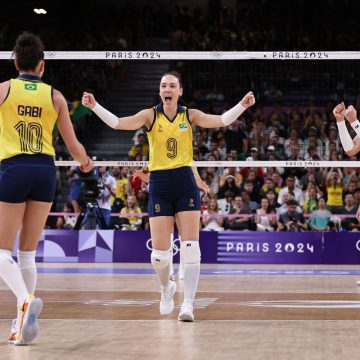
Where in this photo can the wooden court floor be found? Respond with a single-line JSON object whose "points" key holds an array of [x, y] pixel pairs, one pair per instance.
{"points": [[111, 311]]}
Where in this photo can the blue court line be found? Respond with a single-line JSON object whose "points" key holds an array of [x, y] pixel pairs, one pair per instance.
{"points": [[137, 271]]}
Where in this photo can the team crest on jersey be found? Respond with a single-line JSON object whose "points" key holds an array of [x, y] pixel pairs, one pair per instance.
{"points": [[160, 128], [183, 127], [31, 87]]}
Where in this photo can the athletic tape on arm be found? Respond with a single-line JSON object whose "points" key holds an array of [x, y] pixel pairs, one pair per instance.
{"points": [[106, 116], [344, 135], [231, 115]]}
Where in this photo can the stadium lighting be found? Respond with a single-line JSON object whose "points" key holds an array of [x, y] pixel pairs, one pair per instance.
{"points": [[40, 11]]}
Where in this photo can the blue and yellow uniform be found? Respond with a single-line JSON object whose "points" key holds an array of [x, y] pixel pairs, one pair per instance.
{"points": [[27, 119], [172, 184]]}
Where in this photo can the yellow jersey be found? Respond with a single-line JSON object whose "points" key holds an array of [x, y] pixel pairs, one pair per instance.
{"points": [[334, 194], [170, 141], [27, 118]]}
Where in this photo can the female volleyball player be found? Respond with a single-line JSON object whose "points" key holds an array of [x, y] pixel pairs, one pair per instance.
{"points": [[28, 111], [201, 186], [350, 146], [173, 188]]}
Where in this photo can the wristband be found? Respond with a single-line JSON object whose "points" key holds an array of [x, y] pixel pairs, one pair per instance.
{"points": [[88, 162], [356, 126]]}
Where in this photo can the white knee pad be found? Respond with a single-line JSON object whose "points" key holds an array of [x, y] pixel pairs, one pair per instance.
{"points": [[190, 251], [161, 259], [26, 259]]}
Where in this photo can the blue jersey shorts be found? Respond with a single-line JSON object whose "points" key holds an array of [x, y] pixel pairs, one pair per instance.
{"points": [[173, 191], [27, 177]]}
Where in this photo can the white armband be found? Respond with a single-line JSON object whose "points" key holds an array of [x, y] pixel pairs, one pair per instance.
{"points": [[356, 126], [106, 116], [344, 135], [231, 115]]}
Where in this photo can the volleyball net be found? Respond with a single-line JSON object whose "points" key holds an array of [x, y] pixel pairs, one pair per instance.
{"points": [[294, 91]]}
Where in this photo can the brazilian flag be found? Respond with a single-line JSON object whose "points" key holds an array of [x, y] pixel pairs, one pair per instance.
{"points": [[77, 110]]}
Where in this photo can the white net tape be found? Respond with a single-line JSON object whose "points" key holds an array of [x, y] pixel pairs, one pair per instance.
{"points": [[195, 55], [283, 163]]}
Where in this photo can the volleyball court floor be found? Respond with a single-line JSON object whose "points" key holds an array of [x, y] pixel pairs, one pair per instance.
{"points": [[111, 311]]}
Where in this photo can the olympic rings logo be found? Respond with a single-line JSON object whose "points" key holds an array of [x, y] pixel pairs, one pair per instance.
{"points": [[50, 54], [175, 246], [358, 245], [216, 54]]}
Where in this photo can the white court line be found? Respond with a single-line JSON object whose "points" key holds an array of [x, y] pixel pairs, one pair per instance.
{"points": [[200, 321], [210, 291], [356, 291]]}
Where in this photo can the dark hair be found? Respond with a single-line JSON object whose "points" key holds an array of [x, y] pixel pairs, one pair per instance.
{"points": [[28, 51], [176, 74], [291, 202]]}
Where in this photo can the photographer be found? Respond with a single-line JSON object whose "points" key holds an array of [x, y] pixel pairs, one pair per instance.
{"points": [[291, 220], [107, 187]]}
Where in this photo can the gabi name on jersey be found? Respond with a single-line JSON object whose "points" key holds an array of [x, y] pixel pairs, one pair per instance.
{"points": [[32, 111]]}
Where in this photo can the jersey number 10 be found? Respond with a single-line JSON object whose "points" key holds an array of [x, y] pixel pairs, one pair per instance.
{"points": [[30, 136]]}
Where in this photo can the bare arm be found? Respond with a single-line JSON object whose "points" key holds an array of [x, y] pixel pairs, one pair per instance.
{"points": [[4, 89], [199, 118], [66, 129], [199, 182]]}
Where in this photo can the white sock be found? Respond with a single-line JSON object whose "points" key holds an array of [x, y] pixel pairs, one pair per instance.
{"points": [[171, 254], [27, 264], [161, 262], [191, 255], [11, 274]]}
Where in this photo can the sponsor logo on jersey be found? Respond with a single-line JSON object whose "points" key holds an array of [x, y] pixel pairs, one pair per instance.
{"points": [[183, 127]]}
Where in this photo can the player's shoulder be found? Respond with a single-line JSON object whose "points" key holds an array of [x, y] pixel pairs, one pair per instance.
{"points": [[4, 86]]}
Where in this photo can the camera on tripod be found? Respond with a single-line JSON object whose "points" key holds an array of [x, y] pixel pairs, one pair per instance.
{"points": [[92, 187], [91, 190]]}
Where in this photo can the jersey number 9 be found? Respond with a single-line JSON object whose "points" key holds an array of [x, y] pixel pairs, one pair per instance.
{"points": [[171, 146]]}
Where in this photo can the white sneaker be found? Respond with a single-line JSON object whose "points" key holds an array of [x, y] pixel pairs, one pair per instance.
{"points": [[13, 332], [186, 311], [29, 327], [167, 301]]}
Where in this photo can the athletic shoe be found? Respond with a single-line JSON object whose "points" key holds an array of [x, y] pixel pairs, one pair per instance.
{"points": [[167, 301], [186, 311], [13, 332], [29, 326]]}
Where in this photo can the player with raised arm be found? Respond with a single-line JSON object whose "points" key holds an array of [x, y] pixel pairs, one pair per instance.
{"points": [[173, 190]]}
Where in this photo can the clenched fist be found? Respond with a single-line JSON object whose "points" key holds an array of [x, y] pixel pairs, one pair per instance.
{"points": [[248, 100], [339, 112], [350, 114], [88, 100]]}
